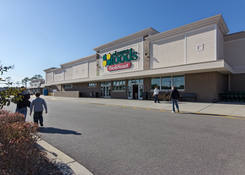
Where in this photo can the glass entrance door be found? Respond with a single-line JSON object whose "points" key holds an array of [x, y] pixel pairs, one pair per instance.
{"points": [[130, 92], [135, 89], [140, 92], [106, 89]]}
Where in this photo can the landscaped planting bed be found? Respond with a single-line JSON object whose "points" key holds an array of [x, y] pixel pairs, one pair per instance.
{"points": [[19, 153]]}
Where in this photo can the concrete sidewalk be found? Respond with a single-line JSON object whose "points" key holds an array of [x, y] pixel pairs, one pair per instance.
{"points": [[65, 163], [229, 109]]}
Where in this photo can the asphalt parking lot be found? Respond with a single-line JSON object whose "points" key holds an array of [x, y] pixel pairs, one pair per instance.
{"points": [[114, 140]]}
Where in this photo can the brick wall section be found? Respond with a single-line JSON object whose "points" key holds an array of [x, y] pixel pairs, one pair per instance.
{"points": [[237, 82], [59, 87], [51, 88], [207, 86], [119, 94], [66, 94], [222, 80], [84, 90]]}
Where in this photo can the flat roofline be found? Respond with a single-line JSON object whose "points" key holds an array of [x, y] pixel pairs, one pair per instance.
{"points": [[142, 33], [70, 63], [49, 69], [217, 19], [234, 36], [78, 60]]}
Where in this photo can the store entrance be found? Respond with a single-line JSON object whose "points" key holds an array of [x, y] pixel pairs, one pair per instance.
{"points": [[135, 89], [106, 89]]}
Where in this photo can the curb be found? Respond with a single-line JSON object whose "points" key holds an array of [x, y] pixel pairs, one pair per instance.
{"points": [[61, 158]]}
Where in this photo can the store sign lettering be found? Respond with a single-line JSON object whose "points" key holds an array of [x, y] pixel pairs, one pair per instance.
{"points": [[119, 60], [119, 66]]}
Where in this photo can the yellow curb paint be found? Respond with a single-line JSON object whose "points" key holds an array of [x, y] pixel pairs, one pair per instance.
{"points": [[219, 116], [228, 117]]}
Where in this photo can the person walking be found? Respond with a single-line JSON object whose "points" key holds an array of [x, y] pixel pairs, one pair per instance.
{"points": [[23, 103], [155, 94], [38, 105], [174, 96]]}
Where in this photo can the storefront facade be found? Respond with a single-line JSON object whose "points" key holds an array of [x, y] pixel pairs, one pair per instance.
{"points": [[200, 59]]}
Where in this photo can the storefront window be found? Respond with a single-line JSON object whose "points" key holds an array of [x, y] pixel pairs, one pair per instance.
{"points": [[119, 85], [67, 86], [132, 82], [155, 82], [92, 84], [179, 82], [166, 83], [105, 84]]}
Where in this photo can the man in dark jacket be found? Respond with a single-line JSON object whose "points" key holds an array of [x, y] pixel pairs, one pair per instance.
{"points": [[23, 103], [174, 96]]}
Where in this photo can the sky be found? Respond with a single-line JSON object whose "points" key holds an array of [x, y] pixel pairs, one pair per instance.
{"points": [[39, 34]]}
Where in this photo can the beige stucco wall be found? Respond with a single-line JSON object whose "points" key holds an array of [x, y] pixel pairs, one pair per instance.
{"points": [[68, 73], [207, 86], [80, 70], [187, 48], [92, 69], [167, 52], [234, 52], [137, 45], [59, 75], [49, 77], [201, 45]]}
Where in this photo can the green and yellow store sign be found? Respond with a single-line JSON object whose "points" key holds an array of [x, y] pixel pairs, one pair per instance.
{"points": [[119, 60]]}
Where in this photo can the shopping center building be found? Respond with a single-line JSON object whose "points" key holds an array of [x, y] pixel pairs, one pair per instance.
{"points": [[201, 59]]}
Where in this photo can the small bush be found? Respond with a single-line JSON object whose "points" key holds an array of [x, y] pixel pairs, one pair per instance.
{"points": [[18, 152]]}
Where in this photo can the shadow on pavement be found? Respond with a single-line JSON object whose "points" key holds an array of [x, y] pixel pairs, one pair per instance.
{"points": [[197, 113], [231, 103], [52, 130]]}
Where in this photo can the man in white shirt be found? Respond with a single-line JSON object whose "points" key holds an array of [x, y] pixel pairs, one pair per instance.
{"points": [[155, 94], [38, 105]]}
